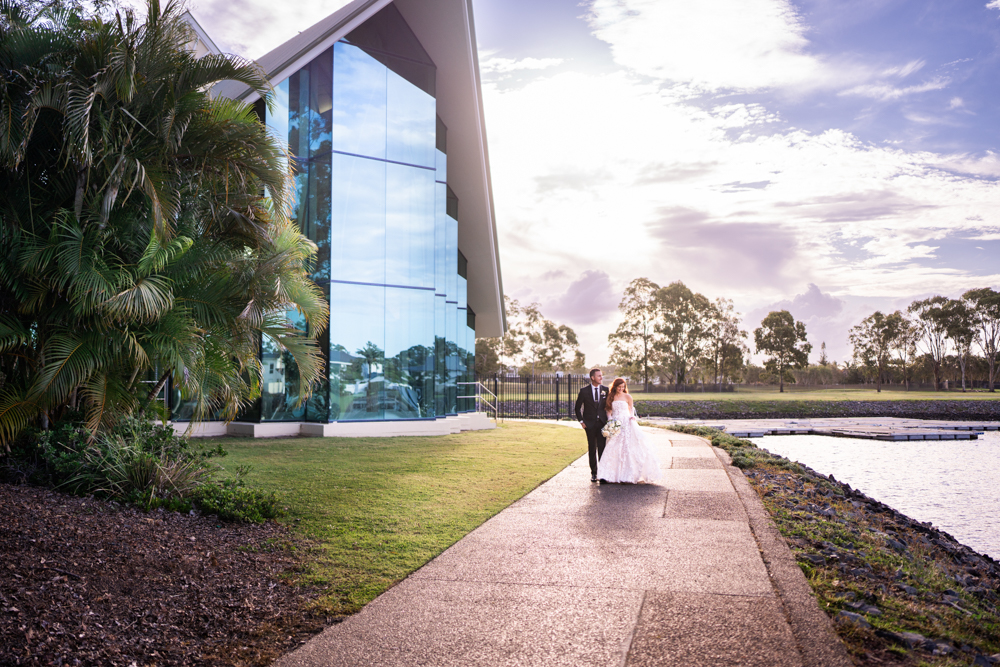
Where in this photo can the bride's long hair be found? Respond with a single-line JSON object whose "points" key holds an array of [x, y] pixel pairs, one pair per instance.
{"points": [[619, 382]]}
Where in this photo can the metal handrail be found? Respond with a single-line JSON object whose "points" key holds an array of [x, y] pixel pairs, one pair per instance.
{"points": [[480, 400]]}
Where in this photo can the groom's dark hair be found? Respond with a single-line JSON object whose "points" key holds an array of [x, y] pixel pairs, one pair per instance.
{"points": [[592, 371]]}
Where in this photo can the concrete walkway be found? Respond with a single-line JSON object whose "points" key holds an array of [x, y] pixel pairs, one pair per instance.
{"points": [[690, 572]]}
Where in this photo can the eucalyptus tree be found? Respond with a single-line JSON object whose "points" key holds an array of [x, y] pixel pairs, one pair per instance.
{"points": [[633, 344], [985, 305], [535, 343], [724, 337], [960, 324], [873, 341], [683, 319], [931, 318], [904, 345], [783, 339], [144, 231]]}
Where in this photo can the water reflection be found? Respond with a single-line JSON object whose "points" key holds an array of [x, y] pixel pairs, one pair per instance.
{"points": [[954, 484]]}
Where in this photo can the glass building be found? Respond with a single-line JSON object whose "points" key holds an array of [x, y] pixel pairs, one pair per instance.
{"points": [[365, 110]]}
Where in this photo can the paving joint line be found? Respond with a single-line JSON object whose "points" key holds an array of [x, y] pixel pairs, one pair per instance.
{"points": [[627, 645], [812, 630]]}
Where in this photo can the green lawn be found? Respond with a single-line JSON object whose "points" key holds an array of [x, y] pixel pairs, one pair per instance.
{"points": [[803, 394], [379, 508]]}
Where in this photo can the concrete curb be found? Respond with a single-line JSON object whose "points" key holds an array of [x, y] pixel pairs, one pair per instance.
{"points": [[811, 627]]}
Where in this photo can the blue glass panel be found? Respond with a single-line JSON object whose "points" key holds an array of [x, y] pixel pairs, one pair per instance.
{"points": [[357, 352], [358, 225], [310, 107], [440, 238], [277, 122], [312, 210], [440, 167], [359, 107], [409, 359], [451, 359], [280, 378], [386, 33], [440, 354], [451, 258], [409, 226], [411, 123]]}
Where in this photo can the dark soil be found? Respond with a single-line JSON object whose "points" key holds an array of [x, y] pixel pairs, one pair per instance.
{"points": [[84, 582], [956, 410]]}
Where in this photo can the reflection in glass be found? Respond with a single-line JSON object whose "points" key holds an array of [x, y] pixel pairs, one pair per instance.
{"points": [[409, 226], [310, 108], [409, 368], [357, 351], [370, 159], [440, 355], [280, 378], [313, 209], [387, 38], [359, 206], [277, 122], [411, 123], [359, 105]]}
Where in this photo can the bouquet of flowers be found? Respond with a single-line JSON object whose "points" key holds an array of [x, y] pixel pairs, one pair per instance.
{"points": [[611, 428]]}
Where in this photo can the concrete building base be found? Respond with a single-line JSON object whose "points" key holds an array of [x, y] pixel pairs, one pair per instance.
{"points": [[470, 421]]}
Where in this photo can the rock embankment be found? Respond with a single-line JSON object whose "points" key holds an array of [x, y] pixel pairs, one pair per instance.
{"points": [[900, 592], [963, 410]]}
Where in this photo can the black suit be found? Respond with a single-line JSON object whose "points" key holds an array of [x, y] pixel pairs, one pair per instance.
{"points": [[594, 416]]}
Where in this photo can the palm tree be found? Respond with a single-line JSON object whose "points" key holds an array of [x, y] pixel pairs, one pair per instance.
{"points": [[143, 224]]}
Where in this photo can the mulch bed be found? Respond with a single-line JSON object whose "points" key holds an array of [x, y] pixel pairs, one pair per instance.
{"points": [[84, 582]]}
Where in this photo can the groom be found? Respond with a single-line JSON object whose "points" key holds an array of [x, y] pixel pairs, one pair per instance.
{"points": [[592, 415]]}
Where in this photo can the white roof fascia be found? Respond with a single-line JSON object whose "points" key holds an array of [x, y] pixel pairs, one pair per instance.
{"points": [[446, 31], [288, 58], [200, 32]]}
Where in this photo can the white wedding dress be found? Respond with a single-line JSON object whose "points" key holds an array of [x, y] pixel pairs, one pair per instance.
{"points": [[627, 458]]}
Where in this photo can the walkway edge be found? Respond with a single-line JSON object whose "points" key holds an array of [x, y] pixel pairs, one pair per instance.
{"points": [[811, 627]]}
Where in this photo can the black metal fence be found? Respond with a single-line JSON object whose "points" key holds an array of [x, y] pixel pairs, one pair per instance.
{"points": [[553, 396], [546, 396]]}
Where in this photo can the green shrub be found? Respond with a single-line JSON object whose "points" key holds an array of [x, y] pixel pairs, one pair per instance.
{"points": [[115, 469], [232, 500], [137, 462]]}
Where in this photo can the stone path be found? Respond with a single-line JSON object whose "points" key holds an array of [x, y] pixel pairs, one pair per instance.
{"points": [[689, 572]]}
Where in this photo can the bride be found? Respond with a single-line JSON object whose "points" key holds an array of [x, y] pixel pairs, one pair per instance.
{"points": [[626, 458]]}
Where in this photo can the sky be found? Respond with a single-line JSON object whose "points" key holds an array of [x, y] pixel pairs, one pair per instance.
{"points": [[828, 157]]}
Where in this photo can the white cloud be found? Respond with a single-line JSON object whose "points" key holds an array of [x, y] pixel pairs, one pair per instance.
{"points": [[884, 92], [254, 27], [626, 179], [711, 44], [957, 102], [906, 70], [492, 64], [993, 4]]}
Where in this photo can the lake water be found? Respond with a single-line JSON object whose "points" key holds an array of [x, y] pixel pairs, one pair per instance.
{"points": [[954, 484]]}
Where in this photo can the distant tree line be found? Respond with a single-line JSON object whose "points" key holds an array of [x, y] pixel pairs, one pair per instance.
{"points": [[937, 338], [532, 344], [672, 335]]}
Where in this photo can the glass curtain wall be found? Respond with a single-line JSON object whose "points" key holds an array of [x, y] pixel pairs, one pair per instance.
{"points": [[371, 191]]}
